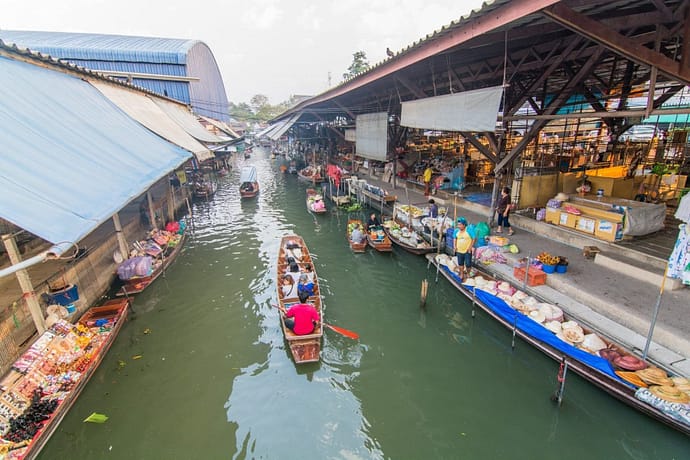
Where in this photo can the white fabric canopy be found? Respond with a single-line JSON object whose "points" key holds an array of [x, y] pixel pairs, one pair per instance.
{"points": [[248, 174], [474, 111], [372, 135], [350, 135], [142, 108], [187, 120]]}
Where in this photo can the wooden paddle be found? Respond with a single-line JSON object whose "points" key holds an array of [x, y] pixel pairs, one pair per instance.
{"points": [[340, 330]]}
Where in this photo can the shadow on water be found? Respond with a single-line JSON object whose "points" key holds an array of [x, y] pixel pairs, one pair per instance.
{"points": [[214, 378]]}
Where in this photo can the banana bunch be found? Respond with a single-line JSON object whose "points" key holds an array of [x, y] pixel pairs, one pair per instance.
{"points": [[547, 258]]}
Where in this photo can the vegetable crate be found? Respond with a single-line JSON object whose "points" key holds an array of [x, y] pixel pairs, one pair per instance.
{"points": [[535, 277]]}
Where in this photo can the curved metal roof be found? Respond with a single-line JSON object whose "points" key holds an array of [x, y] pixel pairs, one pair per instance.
{"points": [[67, 45]]}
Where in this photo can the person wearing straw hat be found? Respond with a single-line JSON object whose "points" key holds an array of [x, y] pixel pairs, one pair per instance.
{"points": [[464, 242]]}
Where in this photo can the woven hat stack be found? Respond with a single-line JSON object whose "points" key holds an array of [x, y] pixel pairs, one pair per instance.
{"points": [[655, 376]]}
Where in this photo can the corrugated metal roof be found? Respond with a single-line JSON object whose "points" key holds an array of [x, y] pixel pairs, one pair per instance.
{"points": [[69, 158], [140, 55], [66, 45]]}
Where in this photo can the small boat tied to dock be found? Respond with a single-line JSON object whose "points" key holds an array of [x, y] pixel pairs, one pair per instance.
{"points": [[589, 353], [294, 261], [43, 384]]}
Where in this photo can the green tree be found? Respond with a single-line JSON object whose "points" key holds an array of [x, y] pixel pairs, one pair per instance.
{"points": [[359, 65], [258, 102]]}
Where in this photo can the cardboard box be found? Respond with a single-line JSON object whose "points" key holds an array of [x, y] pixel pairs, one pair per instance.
{"points": [[586, 224], [567, 220], [608, 231], [553, 216]]}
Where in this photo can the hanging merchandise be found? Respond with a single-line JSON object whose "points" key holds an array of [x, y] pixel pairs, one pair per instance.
{"points": [[683, 211], [679, 262]]}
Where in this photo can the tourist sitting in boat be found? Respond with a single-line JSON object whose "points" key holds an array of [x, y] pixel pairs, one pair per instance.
{"points": [[305, 285], [319, 205], [357, 236], [247, 187], [309, 271], [302, 317], [288, 287], [373, 223]]}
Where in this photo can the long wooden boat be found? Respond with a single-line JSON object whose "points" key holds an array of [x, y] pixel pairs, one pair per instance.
{"points": [[249, 184], [137, 284], [410, 241], [304, 348], [60, 362], [315, 201], [356, 247], [612, 368], [377, 239]]}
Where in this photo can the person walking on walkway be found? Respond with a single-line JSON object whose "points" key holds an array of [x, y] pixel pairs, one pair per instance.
{"points": [[427, 180], [503, 210]]}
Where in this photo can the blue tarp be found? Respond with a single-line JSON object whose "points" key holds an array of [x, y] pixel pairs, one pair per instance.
{"points": [[69, 158], [537, 331]]}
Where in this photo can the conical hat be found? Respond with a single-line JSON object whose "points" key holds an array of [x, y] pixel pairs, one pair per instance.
{"points": [[573, 335], [630, 363]]}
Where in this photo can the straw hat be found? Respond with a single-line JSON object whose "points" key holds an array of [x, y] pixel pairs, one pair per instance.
{"points": [[655, 376], [630, 363], [593, 342], [609, 354], [631, 377], [573, 335], [677, 381], [571, 325], [561, 197], [670, 394], [551, 312], [537, 316]]}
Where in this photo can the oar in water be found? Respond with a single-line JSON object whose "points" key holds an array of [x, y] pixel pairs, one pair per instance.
{"points": [[340, 330]]}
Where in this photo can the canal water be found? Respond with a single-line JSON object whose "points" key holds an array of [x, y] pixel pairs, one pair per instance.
{"points": [[201, 370]]}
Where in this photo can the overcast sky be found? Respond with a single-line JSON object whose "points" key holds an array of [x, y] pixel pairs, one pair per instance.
{"points": [[271, 47]]}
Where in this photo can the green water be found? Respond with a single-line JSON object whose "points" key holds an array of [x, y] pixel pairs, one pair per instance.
{"points": [[215, 380]]}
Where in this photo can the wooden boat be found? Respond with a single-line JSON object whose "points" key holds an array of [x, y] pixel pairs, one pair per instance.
{"points": [[304, 348], [205, 190], [377, 239], [311, 174], [410, 241], [315, 201], [103, 325], [356, 247], [609, 368], [249, 185], [137, 284]]}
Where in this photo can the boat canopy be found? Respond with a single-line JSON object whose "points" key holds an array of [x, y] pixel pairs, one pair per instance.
{"points": [[248, 174]]}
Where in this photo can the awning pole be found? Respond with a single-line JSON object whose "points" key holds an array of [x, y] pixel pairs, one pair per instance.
{"points": [[152, 213], [121, 242], [25, 283]]}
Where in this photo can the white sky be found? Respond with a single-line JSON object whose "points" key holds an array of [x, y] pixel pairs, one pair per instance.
{"points": [[271, 47]]}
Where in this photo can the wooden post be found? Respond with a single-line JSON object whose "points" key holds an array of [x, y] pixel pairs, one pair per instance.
{"points": [[25, 283], [152, 213], [121, 242]]}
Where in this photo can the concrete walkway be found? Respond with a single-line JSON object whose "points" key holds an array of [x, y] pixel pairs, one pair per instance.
{"points": [[615, 296]]}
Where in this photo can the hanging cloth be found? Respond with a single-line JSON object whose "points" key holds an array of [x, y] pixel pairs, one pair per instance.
{"points": [[679, 262], [683, 211]]}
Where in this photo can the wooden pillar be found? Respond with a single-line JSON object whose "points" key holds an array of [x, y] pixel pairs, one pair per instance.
{"points": [[121, 242], [25, 283], [152, 213], [171, 202]]}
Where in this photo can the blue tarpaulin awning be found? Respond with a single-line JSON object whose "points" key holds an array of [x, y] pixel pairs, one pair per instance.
{"points": [[69, 158]]}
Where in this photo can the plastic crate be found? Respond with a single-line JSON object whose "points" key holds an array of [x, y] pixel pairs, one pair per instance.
{"points": [[535, 277]]}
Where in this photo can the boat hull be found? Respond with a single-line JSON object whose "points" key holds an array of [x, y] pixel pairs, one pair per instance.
{"points": [[304, 348], [411, 249]]}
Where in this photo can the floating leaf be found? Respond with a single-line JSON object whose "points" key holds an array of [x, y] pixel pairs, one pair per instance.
{"points": [[96, 418], [136, 357], [147, 331]]}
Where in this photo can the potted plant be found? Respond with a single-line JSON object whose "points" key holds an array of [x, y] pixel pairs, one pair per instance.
{"points": [[548, 262]]}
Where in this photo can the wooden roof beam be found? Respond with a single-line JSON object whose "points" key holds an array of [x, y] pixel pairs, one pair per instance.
{"points": [[600, 33]]}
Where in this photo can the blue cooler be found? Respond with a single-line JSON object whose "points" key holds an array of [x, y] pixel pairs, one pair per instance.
{"points": [[450, 241]]}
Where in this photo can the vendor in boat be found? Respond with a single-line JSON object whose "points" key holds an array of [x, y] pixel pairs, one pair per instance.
{"points": [[357, 236], [302, 317], [373, 223], [464, 243]]}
